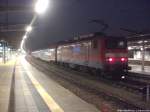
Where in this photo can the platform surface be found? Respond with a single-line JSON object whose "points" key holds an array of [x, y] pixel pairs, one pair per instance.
{"points": [[6, 71], [138, 69], [25, 89]]}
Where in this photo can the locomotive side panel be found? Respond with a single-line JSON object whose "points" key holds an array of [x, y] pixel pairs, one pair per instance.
{"points": [[75, 53], [81, 53], [64, 53], [95, 54], [86, 53]]}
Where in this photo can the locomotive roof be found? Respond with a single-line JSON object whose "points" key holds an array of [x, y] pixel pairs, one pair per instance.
{"points": [[86, 37]]}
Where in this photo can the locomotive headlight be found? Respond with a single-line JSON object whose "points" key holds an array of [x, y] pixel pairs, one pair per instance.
{"points": [[110, 59], [123, 59], [123, 77]]}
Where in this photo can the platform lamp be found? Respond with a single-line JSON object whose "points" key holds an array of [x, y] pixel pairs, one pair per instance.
{"points": [[41, 6]]}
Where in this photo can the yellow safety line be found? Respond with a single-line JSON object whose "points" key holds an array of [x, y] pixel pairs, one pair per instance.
{"points": [[52, 105]]}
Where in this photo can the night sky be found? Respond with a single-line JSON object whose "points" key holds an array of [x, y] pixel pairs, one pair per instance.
{"points": [[68, 18]]}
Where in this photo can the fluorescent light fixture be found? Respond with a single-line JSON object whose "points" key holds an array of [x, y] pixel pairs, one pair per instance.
{"points": [[41, 6]]}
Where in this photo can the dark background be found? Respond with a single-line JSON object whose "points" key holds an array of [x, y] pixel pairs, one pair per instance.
{"points": [[68, 18]]}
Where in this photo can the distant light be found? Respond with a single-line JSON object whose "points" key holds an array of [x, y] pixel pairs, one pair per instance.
{"points": [[9, 49], [29, 28], [142, 49], [145, 41], [51, 50], [41, 6], [129, 48], [140, 42]]}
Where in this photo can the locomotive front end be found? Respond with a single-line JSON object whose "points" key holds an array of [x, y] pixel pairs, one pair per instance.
{"points": [[116, 55]]}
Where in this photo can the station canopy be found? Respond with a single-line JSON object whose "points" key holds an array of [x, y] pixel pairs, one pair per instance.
{"points": [[15, 15], [138, 41]]}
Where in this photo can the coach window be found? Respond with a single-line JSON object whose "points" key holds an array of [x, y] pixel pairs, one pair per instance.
{"points": [[95, 44]]}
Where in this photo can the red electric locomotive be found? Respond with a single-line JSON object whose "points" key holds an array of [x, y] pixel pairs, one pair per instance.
{"points": [[98, 52]]}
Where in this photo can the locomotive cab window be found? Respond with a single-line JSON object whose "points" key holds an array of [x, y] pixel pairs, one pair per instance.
{"points": [[113, 44], [95, 44]]}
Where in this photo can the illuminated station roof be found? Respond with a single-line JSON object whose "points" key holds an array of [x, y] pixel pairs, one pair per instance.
{"points": [[137, 41], [14, 17]]}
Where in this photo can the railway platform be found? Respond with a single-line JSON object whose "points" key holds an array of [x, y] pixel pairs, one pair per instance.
{"points": [[25, 89], [137, 69]]}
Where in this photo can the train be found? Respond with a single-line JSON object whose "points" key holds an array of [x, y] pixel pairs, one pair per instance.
{"points": [[94, 52]]}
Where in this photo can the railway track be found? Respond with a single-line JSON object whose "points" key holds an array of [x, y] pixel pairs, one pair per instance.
{"points": [[145, 79], [129, 84], [98, 85]]}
